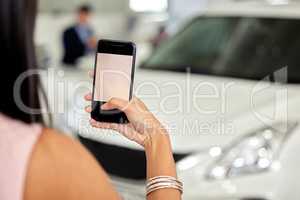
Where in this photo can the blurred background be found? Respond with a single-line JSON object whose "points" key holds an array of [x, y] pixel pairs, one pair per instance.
{"points": [[136, 20], [222, 75]]}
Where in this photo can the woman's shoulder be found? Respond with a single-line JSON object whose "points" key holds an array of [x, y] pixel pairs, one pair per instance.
{"points": [[61, 168], [55, 142]]}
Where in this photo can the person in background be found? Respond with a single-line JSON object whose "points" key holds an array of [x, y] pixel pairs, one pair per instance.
{"points": [[79, 39], [161, 36]]}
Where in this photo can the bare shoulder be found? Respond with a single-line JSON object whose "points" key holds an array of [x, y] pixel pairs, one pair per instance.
{"points": [[57, 144], [61, 168]]}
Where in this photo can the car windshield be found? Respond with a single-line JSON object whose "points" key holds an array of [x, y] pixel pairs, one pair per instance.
{"points": [[249, 48]]}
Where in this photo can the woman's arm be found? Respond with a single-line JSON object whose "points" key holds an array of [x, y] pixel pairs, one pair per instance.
{"points": [[160, 161], [147, 131]]}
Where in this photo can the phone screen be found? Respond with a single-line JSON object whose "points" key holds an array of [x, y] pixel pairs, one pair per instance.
{"points": [[113, 76]]}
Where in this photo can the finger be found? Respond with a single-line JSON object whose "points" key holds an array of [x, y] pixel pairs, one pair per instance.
{"points": [[125, 129], [91, 73], [129, 132], [88, 109], [88, 97], [138, 104], [104, 125], [115, 103]]}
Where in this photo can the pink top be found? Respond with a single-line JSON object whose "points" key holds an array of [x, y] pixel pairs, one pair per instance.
{"points": [[17, 140]]}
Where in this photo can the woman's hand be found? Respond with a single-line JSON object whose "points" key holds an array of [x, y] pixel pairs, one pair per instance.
{"points": [[142, 126], [147, 131]]}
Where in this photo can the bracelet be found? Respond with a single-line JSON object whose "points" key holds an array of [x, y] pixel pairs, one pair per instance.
{"points": [[163, 182], [158, 179]]}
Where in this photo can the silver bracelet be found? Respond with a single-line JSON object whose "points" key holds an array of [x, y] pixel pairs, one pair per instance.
{"points": [[162, 179], [163, 182], [157, 177]]}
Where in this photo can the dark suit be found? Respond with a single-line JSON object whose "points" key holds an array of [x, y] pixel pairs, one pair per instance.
{"points": [[74, 47]]}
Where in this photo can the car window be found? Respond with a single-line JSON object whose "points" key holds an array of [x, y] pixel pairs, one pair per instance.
{"points": [[250, 48]]}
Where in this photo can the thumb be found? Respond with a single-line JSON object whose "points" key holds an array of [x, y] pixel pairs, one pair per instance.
{"points": [[115, 103]]}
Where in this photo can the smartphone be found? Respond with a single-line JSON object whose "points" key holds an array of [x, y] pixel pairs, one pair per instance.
{"points": [[113, 77]]}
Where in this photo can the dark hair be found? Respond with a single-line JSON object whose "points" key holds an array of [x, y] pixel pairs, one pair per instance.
{"points": [[85, 8], [17, 56]]}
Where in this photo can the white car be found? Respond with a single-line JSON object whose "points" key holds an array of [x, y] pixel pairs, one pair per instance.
{"points": [[233, 117]]}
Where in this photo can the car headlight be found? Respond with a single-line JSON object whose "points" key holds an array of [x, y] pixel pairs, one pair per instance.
{"points": [[253, 153]]}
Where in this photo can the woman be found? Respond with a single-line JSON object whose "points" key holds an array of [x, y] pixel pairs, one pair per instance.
{"points": [[39, 162]]}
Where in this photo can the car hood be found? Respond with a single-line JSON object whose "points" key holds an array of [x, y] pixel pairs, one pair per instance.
{"points": [[199, 111], [202, 111]]}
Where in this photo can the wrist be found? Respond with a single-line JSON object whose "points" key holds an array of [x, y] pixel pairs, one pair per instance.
{"points": [[159, 155], [155, 139]]}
